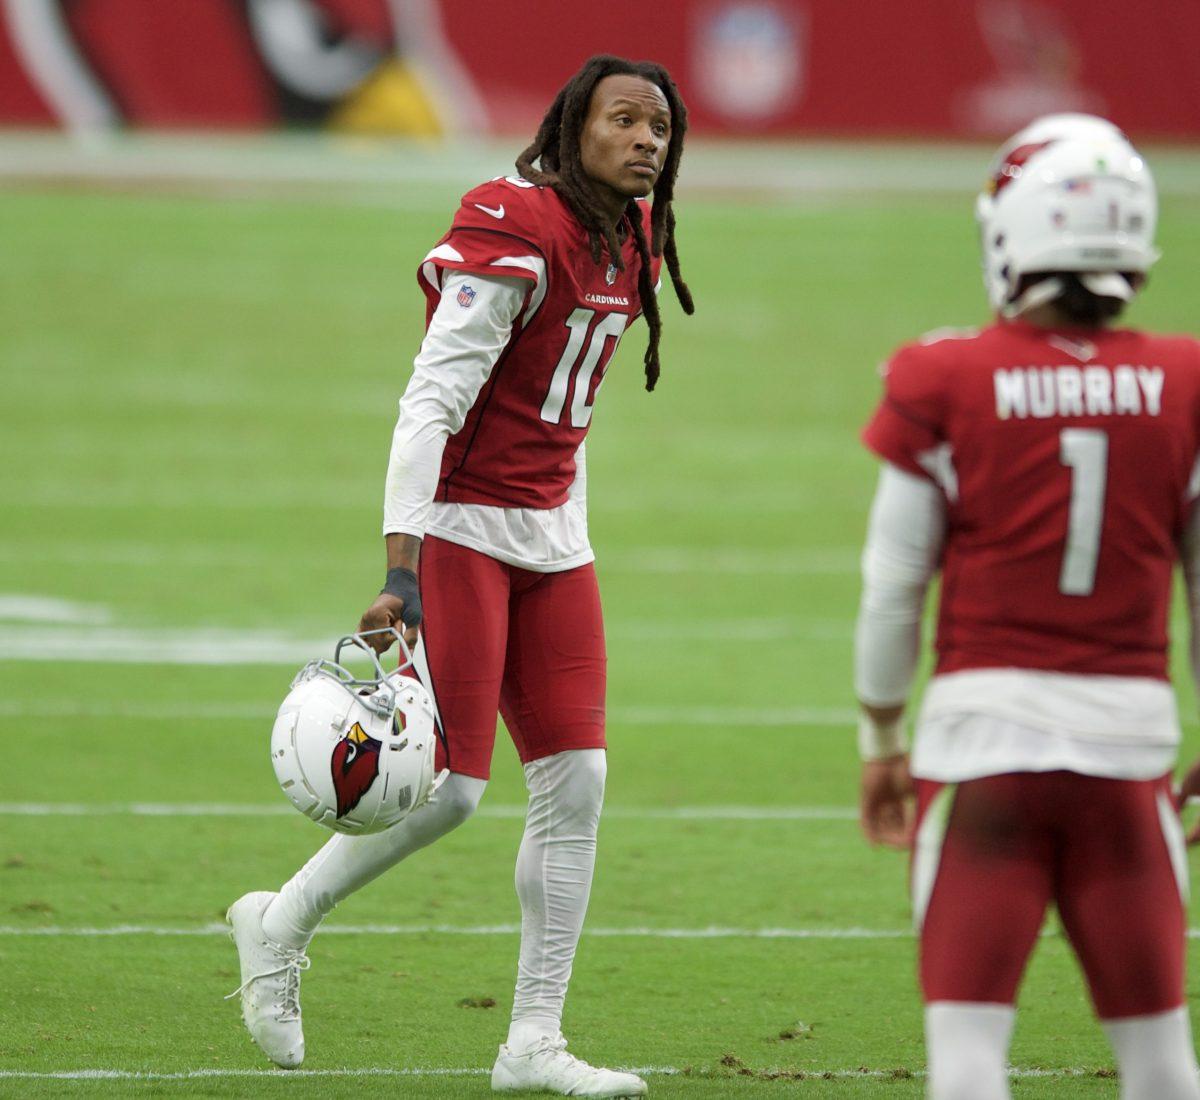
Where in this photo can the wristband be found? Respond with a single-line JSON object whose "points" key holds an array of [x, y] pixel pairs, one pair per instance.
{"points": [[403, 584], [881, 740]]}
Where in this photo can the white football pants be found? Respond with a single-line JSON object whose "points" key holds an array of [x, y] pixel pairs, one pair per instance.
{"points": [[553, 878]]}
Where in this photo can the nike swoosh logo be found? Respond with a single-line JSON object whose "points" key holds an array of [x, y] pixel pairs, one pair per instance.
{"points": [[497, 213]]}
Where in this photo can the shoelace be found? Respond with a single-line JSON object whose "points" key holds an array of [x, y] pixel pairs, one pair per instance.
{"points": [[293, 963], [561, 1060]]}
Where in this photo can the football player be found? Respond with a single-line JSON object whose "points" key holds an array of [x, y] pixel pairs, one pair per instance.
{"points": [[1047, 467], [527, 297]]}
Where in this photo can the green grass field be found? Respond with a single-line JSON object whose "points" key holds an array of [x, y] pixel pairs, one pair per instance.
{"points": [[197, 404]]}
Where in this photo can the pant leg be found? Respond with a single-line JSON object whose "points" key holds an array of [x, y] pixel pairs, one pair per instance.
{"points": [[1121, 886], [982, 878], [552, 700], [985, 861], [461, 655], [555, 671]]}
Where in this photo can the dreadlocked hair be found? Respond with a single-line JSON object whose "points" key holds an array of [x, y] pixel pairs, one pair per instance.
{"points": [[556, 148]]}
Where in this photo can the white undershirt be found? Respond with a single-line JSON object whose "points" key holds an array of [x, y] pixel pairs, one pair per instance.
{"points": [[990, 721], [460, 349]]}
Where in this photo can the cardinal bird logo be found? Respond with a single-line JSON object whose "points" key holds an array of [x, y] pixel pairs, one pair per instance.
{"points": [[355, 764], [1014, 165]]}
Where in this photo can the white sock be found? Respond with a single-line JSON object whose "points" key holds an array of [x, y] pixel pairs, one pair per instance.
{"points": [[1155, 1056], [554, 879], [967, 1045], [347, 863]]}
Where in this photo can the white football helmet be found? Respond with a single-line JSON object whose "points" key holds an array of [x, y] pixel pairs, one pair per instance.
{"points": [[1041, 131], [356, 755], [1084, 203]]}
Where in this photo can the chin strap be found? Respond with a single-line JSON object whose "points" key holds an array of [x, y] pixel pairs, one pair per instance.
{"points": [[1037, 295]]}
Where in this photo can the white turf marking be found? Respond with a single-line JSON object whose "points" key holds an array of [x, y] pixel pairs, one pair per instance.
{"points": [[800, 561], [98, 644], [714, 932], [20, 608], [500, 810], [477, 1071], [782, 717]]}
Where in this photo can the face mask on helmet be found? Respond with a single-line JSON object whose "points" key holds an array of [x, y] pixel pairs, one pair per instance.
{"points": [[355, 755], [1083, 204]]}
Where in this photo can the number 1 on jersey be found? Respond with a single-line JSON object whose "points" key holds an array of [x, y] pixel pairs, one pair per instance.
{"points": [[1085, 451], [556, 397]]}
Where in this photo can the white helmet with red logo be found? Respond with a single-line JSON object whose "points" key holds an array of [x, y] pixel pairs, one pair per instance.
{"points": [[1041, 131], [355, 755], [1082, 202]]}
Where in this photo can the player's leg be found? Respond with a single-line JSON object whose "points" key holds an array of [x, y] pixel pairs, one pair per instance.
{"points": [[1121, 889], [553, 705], [461, 657], [553, 878], [982, 878]]}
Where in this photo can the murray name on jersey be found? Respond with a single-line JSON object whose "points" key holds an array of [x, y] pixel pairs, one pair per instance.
{"points": [[1069, 390], [1061, 547]]}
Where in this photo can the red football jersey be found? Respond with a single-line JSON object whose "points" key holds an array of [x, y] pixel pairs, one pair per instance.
{"points": [[1067, 460], [517, 446]]}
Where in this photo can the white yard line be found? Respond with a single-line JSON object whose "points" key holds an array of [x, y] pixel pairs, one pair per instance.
{"points": [[710, 932], [500, 810], [477, 1071], [713, 932], [30, 639], [798, 561], [783, 717], [22, 608]]}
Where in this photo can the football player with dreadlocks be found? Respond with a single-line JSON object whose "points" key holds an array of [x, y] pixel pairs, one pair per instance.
{"points": [[1048, 465], [485, 521]]}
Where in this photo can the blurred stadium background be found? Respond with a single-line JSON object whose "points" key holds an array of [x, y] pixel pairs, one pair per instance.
{"points": [[211, 213]]}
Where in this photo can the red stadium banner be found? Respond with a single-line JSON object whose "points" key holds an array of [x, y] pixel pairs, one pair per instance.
{"points": [[748, 68]]}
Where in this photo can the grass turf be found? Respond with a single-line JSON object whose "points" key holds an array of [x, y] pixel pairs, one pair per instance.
{"points": [[199, 399]]}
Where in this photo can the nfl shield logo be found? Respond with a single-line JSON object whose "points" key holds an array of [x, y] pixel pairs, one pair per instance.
{"points": [[466, 296], [610, 276]]}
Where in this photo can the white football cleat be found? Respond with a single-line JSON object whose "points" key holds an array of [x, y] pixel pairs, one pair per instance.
{"points": [[270, 988], [547, 1067]]}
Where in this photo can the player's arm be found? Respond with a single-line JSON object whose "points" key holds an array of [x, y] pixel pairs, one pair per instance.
{"points": [[460, 349], [903, 547], [1189, 554]]}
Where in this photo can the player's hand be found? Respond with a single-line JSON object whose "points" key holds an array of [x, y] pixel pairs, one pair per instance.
{"points": [[886, 802], [1190, 788], [387, 610]]}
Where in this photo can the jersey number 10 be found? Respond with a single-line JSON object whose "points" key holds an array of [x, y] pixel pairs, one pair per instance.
{"points": [[1085, 451], [560, 384]]}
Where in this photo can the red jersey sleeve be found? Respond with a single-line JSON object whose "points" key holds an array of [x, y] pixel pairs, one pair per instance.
{"points": [[909, 421], [496, 231]]}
